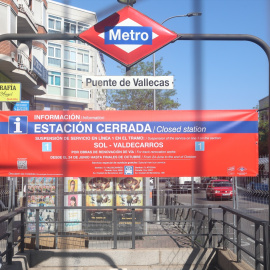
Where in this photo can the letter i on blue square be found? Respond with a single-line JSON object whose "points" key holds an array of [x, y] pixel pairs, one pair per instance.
{"points": [[199, 146], [46, 147]]}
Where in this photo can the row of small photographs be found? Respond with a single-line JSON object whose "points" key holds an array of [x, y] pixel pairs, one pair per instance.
{"points": [[41, 181], [41, 200], [106, 184], [39, 189], [106, 200]]}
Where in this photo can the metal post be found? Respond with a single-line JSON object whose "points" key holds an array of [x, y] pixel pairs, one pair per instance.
{"points": [[234, 217], [238, 253], [114, 228], [37, 229], [257, 246], [10, 194], [13, 193], [133, 228], [266, 246], [10, 241], [210, 227], [225, 229], [22, 233]]}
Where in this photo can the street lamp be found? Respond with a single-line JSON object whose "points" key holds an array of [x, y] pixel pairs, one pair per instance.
{"points": [[154, 74], [192, 14], [127, 2]]}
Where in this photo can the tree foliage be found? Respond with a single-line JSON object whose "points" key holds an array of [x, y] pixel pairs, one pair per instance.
{"points": [[263, 133], [143, 99]]}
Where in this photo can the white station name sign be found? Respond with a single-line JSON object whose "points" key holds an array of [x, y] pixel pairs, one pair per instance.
{"points": [[128, 82]]}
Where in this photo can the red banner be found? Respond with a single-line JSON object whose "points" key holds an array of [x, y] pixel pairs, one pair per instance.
{"points": [[129, 143]]}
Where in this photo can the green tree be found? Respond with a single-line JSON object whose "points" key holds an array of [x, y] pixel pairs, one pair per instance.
{"points": [[263, 133], [143, 99]]}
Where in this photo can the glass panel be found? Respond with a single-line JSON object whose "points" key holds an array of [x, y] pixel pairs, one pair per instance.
{"points": [[57, 53], [73, 28], [54, 62], [79, 83], [66, 54], [83, 94], [51, 51], [50, 80], [54, 73], [83, 67], [58, 25], [53, 90], [73, 83], [51, 23], [79, 57], [66, 82], [57, 80], [86, 58], [68, 64], [69, 92], [73, 56], [66, 27]]}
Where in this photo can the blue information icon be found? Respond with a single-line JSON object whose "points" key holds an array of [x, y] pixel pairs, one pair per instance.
{"points": [[199, 146], [46, 147]]}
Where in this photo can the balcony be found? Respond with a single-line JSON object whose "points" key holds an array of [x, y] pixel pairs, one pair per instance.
{"points": [[26, 21], [20, 70]]}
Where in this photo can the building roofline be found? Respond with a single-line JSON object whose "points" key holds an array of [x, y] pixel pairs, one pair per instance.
{"points": [[79, 9]]}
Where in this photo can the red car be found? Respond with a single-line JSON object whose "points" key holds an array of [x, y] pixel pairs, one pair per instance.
{"points": [[219, 189]]}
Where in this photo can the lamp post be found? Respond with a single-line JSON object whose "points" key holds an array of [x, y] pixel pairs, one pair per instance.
{"points": [[127, 2], [154, 58], [192, 14]]}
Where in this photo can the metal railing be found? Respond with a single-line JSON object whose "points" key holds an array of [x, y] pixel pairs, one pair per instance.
{"points": [[12, 233], [195, 226]]}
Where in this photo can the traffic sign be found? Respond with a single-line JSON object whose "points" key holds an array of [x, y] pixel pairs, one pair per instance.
{"points": [[128, 36]]}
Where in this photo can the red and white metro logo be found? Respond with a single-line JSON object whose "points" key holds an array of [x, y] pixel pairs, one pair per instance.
{"points": [[128, 36]]}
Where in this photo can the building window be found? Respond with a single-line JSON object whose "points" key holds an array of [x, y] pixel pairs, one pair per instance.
{"points": [[83, 60], [54, 24], [70, 27], [69, 85], [69, 80], [56, 107], [39, 107], [54, 55], [81, 28], [54, 78], [70, 58], [74, 108], [82, 93], [54, 86]]}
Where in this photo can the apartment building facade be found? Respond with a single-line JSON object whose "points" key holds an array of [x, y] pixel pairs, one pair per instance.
{"points": [[68, 61], [17, 58]]}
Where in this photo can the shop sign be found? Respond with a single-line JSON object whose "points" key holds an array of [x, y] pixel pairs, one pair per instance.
{"points": [[10, 92]]}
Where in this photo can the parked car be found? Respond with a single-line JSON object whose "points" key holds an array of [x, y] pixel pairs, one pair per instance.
{"points": [[185, 188], [260, 189], [219, 189]]}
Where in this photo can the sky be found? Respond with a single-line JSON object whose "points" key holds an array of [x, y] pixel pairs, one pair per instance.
{"points": [[209, 75]]}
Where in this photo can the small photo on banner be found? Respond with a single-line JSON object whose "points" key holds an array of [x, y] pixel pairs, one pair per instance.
{"points": [[99, 184], [73, 200], [99, 200], [72, 184], [129, 184], [73, 217], [129, 200]]}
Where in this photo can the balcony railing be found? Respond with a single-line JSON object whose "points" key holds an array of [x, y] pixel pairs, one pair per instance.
{"points": [[24, 8], [23, 61]]}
